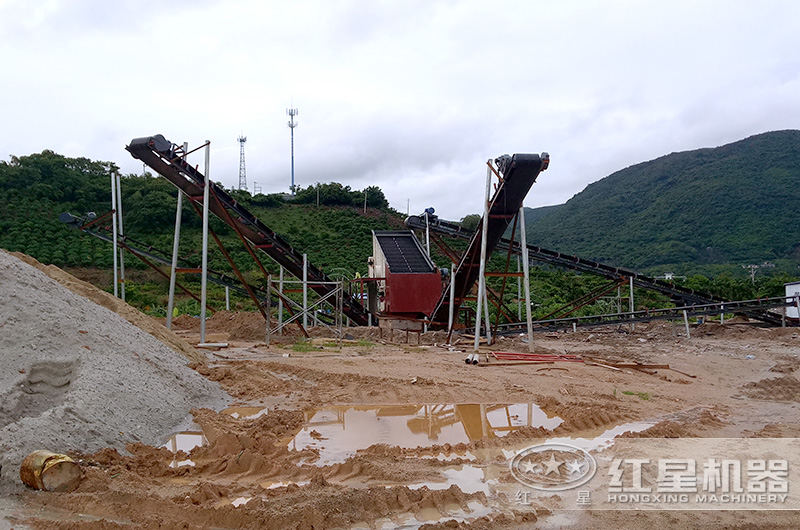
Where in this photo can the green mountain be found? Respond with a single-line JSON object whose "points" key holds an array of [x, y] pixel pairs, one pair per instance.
{"points": [[532, 215], [739, 203]]}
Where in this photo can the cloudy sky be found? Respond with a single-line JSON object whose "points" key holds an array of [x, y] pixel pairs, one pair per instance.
{"points": [[412, 96]]}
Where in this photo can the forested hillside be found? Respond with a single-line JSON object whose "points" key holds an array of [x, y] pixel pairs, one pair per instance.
{"points": [[38, 187], [732, 204]]}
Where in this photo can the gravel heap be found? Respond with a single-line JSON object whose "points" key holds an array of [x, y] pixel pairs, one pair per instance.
{"points": [[76, 376], [109, 301]]}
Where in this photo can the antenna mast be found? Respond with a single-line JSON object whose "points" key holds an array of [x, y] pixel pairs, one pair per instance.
{"points": [[242, 174], [292, 124]]}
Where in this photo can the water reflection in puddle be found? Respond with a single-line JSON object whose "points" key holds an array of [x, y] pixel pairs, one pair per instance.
{"points": [[441, 457], [469, 479], [593, 440], [274, 485], [246, 412], [239, 501], [184, 441], [606, 438], [338, 432], [432, 515]]}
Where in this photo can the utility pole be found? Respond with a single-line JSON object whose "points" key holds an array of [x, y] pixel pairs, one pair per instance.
{"points": [[292, 124], [242, 175], [482, 273], [121, 234], [114, 231], [204, 258], [526, 278], [631, 305], [752, 269], [427, 235], [175, 244]]}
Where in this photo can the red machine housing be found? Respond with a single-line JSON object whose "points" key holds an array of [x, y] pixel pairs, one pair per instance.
{"points": [[415, 292], [409, 283]]}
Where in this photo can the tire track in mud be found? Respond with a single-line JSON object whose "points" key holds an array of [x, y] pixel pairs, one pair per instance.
{"points": [[317, 505], [258, 379]]}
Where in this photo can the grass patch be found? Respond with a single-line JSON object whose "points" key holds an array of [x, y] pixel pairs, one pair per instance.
{"points": [[642, 395], [303, 346], [361, 343]]}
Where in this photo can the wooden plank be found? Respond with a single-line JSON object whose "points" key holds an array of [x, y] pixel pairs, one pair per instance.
{"points": [[516, 363], [513, 356], [684, 373], [594, 363], [638, 366]]}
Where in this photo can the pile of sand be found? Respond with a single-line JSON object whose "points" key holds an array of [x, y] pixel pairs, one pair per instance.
{"points": [[109, 301], [239, 325], [78, 377], [785, 388]]}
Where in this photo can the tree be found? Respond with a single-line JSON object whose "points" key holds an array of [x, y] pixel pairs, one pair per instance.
{"points": [[241, 196], [470, 222], [375, 197], [149, 211]]}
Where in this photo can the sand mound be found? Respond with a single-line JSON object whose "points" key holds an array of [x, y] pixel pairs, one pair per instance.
{"points": [[785, 388], [786, 365], [241, 325], [109, 301], [775, 430], [78, 377], [685, 424]]}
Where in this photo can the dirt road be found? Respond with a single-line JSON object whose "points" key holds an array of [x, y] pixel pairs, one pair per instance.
{"points": [[371, 435]]}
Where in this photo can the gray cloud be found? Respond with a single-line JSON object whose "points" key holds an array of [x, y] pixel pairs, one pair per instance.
{"points": [[409, 96]]}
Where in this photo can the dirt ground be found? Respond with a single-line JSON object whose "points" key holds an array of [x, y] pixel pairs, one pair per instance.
{"points": [[374, 434]]}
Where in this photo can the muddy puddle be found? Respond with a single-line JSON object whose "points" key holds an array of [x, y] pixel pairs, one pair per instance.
{"points": [[339, 432], [430, 515], [596, 440], [246, 412], [184, 441], [468, 478]]}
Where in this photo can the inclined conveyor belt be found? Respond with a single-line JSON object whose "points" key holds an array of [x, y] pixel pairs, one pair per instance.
{"points": [[165, 158], [519, 172], [682, 296]]}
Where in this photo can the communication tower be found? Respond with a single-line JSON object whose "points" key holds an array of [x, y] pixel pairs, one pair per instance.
{"points": [[242, 174], [292, 124]]}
